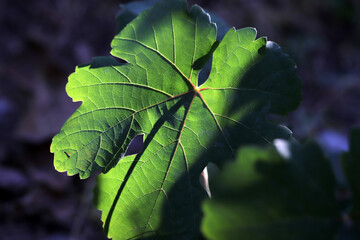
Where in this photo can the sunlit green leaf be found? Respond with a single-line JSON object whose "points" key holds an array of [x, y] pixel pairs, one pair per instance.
{"points": [[185, 126]]}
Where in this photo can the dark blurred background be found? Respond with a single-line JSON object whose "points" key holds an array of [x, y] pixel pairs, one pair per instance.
{"points": [[42, 41]]}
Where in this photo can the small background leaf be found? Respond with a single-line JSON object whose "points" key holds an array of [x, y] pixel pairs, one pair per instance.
{"points": [[351, 165], [264, 196]]}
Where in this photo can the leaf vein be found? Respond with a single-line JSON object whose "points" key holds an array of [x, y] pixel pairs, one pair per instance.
{"points": [[159, 53]]}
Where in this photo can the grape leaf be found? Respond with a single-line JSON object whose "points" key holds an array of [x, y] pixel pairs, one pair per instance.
{"points": [[131, 10], [265, 196], [351, 166], [156, 93]]}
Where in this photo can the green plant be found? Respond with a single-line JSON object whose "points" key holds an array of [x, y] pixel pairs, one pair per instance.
{"points": [[186, 122], [274, 196]]}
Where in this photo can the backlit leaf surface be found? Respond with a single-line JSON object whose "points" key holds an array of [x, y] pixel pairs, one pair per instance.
{"points": [[156, 93]]}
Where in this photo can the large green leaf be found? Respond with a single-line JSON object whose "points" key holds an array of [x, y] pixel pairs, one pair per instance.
{"points": [[185, 126], [351, 165], [265, 196], [131, 10]]}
